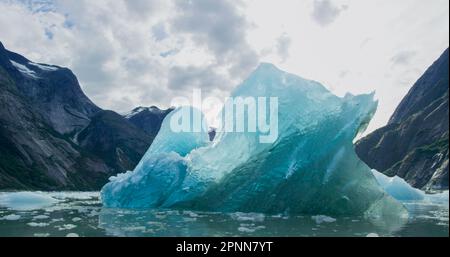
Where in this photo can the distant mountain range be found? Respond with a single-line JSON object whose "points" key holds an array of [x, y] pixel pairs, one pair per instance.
{"points": [[52, 137], [414, 144]]}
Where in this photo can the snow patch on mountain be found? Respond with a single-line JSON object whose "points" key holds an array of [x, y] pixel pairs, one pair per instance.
{"points": [[44, 67], [24, 70], [140, 109]]}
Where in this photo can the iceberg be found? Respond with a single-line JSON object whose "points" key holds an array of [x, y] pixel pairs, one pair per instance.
{"points": [[23, 201], [399, 189], [160, 172], [311, 168]]}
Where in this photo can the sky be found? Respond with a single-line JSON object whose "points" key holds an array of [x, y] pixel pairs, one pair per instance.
{"points": [[129, 53]]}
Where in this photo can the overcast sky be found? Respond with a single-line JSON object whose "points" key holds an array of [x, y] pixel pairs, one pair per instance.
{"points": [[129, 53]]}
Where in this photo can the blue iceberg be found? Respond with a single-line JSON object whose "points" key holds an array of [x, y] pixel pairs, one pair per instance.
{"points": [[311, 168], [399, 189]]}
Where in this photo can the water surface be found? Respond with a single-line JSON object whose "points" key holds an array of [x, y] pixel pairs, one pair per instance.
{"points": [[60, 214]]}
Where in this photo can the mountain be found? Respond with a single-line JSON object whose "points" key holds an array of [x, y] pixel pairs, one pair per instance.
{"points": [[414, 144], [148, 119], [33, 153], [52, 137], [54, 91], [117, 141]]}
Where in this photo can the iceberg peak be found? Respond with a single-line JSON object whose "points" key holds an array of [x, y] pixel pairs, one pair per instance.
{"points": [[267, 66], [311, 168]]}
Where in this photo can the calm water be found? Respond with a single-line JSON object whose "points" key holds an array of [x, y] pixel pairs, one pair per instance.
{"points": [[81, 214]]}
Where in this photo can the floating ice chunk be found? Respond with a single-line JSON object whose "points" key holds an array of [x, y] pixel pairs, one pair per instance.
{"points": [[11, 217], [311, 168], [26, 200], [319, 219], [192, 214], [74, 195], [246, 228], [24, 70], [41, 234], [142, 196], [401, 190], [167, 150], [72, 235], [441, 198], [37, 224], [255, 217], [397, 187], [372, 235], [93, 213], [66, 227]]}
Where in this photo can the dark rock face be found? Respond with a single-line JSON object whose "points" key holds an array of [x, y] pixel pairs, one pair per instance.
{"points": [[414, 144], [115, 140], [52, 137], [54, 91], [148, 119], [212, 134], [33, 155]]}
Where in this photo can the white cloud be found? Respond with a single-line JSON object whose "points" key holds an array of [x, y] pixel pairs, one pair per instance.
{"points": [[283, 45], [221, 28], [325, 12], [130, 53], [403, 57]]}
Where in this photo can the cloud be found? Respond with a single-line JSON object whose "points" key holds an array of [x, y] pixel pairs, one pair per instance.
{"points": [[195, 77], [403, 58], [128, 53], [164, 57], [283, 45], [108, 44], [325, 12], [218, 26], [38, 5], [141, 52], [159, 31], [142, 8]]}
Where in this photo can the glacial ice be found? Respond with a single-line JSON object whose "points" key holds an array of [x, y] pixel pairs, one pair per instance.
{"points": [[38, 224], [11, 217], [311, 168], [319, 219], [23, 201], [398, 188], [167, 158], [402, 191]]}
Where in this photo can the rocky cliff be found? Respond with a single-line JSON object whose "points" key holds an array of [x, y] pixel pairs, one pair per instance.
{"points": [[414, 144], [148, 119], [52, 137]]}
